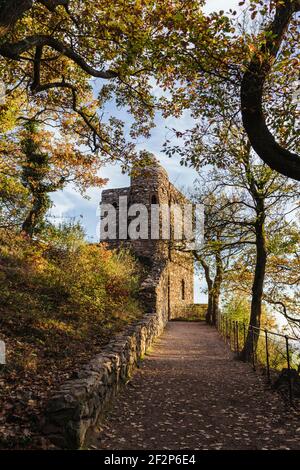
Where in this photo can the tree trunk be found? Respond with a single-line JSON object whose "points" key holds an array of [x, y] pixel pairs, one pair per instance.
{"points": [[214, 289], [13, 10], [210, 306], [257, 71], [257, 287], [209, 283], [217, 288], [10, 12], [36, 214]]}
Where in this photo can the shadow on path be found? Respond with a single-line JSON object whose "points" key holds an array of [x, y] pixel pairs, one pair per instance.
{"points": [[190, 393]]}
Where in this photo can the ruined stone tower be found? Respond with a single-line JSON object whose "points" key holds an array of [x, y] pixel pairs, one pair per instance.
{"points": [[150, 185]]}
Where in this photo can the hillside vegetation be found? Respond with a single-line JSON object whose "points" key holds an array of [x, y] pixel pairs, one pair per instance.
{"points": [[61, 300]]}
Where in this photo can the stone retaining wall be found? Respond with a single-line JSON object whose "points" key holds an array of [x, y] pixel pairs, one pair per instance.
{"points": [[194, 312], [81, 402]]}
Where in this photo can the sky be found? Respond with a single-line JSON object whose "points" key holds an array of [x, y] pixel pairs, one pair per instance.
{"points": [[70, 204]]}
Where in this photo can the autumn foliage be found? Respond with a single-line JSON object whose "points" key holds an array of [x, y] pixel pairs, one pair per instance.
{"points": [[61, 301]]}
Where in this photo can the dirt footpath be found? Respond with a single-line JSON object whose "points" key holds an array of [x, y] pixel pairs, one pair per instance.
{"points": [[190, 393]]}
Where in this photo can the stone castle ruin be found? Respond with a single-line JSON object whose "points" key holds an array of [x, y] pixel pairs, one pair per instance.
{"points": [[167, 293], [169, 285]]}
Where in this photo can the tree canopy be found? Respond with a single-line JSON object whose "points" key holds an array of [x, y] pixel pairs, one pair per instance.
{"points": [[51, 52]]}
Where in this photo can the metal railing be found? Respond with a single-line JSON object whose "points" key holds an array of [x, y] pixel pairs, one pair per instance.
{"points": [[275, 354]]}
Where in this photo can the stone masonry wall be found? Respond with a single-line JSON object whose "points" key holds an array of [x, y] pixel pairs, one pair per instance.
{"points": [[181, 285], [81, 402], [150, 185]]}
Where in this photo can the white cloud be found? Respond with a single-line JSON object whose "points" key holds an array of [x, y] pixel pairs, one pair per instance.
{"points": [[63, 202], [69, 203]]}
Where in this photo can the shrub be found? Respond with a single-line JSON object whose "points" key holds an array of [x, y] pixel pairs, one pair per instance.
{"points": [[61, 300], [62, 284]]}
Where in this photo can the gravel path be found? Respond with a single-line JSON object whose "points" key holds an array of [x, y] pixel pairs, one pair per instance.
{"points": [[190, 393]]}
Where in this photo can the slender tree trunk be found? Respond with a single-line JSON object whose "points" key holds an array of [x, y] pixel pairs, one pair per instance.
{"points": [[28, 224], [209, 283], [213, 288], [210, 306], [257, 287], [217, 288]]}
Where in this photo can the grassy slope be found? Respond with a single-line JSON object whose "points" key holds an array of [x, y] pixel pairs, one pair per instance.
{"points": [[58, 306]]}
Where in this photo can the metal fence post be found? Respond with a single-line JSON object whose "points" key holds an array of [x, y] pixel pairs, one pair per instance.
{"points": [[267, 355], [235, 332], [289, 369]]}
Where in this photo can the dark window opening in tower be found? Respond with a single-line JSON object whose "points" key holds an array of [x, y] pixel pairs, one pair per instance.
{"points": [[182, 289], [153, 199]]}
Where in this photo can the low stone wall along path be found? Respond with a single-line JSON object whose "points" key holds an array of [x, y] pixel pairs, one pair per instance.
{"points": [[190, 393]]}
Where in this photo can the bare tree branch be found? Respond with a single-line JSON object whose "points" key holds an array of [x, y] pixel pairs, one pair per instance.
{"points": [[14, 51]]}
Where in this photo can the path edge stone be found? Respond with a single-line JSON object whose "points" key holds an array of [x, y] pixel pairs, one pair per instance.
{"points": [[80, 403]]}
